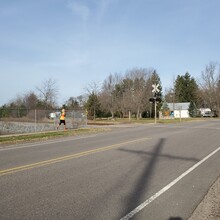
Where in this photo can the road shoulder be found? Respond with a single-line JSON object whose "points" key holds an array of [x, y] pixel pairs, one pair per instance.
{"points": [[209, 208]]}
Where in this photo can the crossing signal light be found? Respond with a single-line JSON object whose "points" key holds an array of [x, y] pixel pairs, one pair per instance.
{"points": [[155, 99], [152, 100]]}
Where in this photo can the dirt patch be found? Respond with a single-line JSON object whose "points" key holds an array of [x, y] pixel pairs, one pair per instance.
{"points": [[209, 208]]}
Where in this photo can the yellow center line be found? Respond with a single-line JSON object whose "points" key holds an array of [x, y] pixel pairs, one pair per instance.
{"points": [[68, 157]]}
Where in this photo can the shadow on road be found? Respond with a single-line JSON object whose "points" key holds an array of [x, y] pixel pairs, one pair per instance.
{"points": [[136, 196]]}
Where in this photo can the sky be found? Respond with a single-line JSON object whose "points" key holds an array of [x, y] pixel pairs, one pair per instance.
{"points": [[80, 42]]}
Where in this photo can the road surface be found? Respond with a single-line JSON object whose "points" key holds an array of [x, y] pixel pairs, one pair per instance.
{"points": [[134, 172]]}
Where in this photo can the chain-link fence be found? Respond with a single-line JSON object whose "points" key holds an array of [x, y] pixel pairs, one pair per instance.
{"points": [[15, 121]]}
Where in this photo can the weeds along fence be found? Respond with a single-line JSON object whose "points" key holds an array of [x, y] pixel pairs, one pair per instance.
{"points": [[14, 121]]}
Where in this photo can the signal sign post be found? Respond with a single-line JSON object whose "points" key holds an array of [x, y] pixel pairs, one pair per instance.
{"points": [[155, 90]]}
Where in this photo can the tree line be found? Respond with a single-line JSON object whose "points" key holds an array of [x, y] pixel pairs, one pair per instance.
{"points": [[201, 93], [129, 93]]}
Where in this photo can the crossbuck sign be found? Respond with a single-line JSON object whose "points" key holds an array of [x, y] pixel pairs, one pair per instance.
{"points": [[155, 88]]}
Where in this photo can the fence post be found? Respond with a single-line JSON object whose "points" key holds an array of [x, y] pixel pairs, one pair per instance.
{"points": [[35, 119]]}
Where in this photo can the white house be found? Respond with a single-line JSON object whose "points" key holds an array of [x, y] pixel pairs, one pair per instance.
{"points": [[179, 110]]}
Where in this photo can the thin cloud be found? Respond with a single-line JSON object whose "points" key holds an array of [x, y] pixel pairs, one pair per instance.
{"points": [[103, 7], [79, 9]]}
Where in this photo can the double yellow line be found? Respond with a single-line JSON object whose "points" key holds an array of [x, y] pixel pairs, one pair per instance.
{"points": [[68, 157]]}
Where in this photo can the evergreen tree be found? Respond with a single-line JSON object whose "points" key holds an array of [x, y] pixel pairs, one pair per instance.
{"points": [[193, 111], [186, 90], [93, 105]]}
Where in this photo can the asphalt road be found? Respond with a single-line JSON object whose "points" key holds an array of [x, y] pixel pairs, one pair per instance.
{"points": [[136, 172]]}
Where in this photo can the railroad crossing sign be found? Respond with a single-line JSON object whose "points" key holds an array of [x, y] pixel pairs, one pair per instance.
{"points": [[155, 88]]}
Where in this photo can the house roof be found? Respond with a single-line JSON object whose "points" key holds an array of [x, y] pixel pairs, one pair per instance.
{"points": [[178, 106]]}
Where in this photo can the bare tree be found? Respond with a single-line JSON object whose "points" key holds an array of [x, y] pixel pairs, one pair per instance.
{"points": [[72, 103], [48, 92], [92, 104], [138, 91], [92, 88], [81, 100], [169, 95], [30, 100], [129, 93], [17, 102], [108, 97], [210, 86]]}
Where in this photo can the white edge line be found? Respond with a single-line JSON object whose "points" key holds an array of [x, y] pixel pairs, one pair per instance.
{"points": [[152, 198]]}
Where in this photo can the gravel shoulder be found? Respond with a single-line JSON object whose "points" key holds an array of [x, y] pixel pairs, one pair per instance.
{"points": [[209, 208]]}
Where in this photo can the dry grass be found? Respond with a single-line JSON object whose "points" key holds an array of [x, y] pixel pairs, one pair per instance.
{"points": [[23, 138]]}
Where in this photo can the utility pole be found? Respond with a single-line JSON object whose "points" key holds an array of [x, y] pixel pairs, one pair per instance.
{"points": [[155, 110]]}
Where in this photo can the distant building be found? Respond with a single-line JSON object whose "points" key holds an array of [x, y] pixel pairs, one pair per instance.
{"points": [[179, 110]]}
